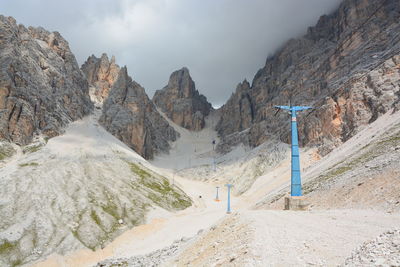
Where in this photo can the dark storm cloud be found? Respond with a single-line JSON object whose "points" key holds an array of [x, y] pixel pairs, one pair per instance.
{"points": [[222, 42]]}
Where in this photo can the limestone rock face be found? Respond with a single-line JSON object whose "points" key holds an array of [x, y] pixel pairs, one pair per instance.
{"points": [[241, 103], [41, 86], [347, 66], [181, 102], [101, 74], [130, 116]]}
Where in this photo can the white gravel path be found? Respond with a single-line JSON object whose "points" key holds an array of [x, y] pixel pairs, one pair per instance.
{"points": [[324, 238]]}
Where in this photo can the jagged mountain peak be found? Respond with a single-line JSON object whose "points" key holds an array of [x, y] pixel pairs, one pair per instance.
{"points": [[101, 74], [129, 115], [244, 85], [181, 101], [181, 82]]}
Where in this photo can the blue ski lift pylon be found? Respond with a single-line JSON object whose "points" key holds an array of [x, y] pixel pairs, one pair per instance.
{"points": [[295, 188]]}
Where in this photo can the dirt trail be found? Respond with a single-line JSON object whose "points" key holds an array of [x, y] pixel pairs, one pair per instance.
{"points": [[86, 257], [290, 238], [285, 238], [159, 232]]}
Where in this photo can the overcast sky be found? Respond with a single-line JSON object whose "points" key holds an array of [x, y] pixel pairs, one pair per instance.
{"points": [[222, 42]]}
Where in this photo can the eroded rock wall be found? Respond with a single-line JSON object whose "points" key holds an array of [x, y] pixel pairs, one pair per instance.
{"points": [[41, 86], [101, 74], [129, 115]]}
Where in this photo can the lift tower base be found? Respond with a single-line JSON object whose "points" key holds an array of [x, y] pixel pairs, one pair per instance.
{"points": [[296, 203]]}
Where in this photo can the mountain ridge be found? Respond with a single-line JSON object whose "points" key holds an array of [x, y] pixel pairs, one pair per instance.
{"points": [[323, 68]]}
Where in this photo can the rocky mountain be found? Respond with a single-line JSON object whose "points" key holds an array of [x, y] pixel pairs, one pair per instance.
{"points": [[347, 66], [41, 86], [181, 102], [130, 116], [101, 74]]}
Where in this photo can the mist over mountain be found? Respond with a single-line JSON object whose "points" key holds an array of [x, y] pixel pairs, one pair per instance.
{"points": [[221, 42]]}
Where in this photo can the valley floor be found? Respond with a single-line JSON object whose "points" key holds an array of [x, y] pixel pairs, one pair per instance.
{"points": [[243, 238], [256, 233], [162, 229]]}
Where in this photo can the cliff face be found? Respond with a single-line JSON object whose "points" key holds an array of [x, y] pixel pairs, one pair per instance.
{"points": [[129, 115], [41, 86], [243, 116], [347, 66], [101, 74], [181, 102]]}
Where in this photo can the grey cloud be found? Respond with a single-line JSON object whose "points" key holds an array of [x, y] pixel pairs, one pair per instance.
{"points": [[222, 42]]}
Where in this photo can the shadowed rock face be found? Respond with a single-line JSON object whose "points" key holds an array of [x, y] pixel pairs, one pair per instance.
{"points": [[101, 74], [241, 103], [129, 115], [181, 102], [347, 66], [41, 86]]}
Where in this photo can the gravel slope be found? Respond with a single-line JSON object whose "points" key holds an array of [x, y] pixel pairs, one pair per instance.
{"points": [[78, 190]]}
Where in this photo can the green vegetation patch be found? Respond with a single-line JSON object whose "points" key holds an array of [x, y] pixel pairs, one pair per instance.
{"points": [[166, 193], [139, 171], [393, 140], [16, 263], [181, 203], [29, 164], [6, 151], [32, 148], [159, 189], [6, 247], [76, 235], [162, 188], [46, 139], [95, 218], [112, 209]]}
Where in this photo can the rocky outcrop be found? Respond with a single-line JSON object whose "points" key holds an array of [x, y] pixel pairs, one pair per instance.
{"points": [[383, 250], [101, 74], [241, 103], [347, 67], [129, 115], [41, 86], [181, 102]]}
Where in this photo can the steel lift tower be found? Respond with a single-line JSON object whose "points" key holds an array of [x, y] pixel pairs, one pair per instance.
{"points": [[295, 189]]}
